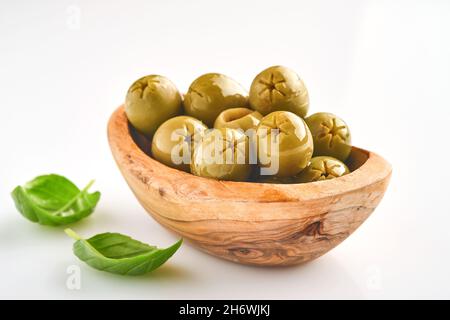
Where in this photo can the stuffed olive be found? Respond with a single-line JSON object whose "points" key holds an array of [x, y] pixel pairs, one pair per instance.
{"points": [[174, 141], [150, 101], [223, 155], [212, 93], [279, 89], [331, 135], [285, 144], [322, 168]]}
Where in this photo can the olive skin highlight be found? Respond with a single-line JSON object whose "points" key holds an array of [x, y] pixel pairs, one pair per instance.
{"points": [[150, 101], [212, 93]]}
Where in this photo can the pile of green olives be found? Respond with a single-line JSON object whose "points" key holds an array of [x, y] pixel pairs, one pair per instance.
{"points": [[219, 130]]}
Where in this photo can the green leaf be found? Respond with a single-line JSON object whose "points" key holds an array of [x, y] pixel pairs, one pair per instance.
{"points": [[120, 254], [54, 200]]}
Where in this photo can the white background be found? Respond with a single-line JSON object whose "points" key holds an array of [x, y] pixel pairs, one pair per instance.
{"points": [[383, 66]]}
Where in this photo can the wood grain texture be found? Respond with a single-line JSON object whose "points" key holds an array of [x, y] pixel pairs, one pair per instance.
{"points": [[252, 223]]}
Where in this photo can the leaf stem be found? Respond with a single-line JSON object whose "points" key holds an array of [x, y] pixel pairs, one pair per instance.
{"points": [[88, 185], [72, 234], [72, 201]]}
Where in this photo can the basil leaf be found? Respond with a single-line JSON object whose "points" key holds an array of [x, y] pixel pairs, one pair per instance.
{"points": [[120, 254], [54, 200]]}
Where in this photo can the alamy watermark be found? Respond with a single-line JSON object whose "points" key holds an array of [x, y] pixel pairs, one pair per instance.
{"points": [[73, 17], [73, 281], [374, 278], [218, 147]]}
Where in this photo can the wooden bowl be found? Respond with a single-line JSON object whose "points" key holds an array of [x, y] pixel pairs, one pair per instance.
{"points": [[251, 223]]}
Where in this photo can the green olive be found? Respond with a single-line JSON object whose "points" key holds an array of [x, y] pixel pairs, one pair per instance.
{"points": [[279, 89], [150, 101], [331, 135], [322, 168], [212, 93], [223, 155], [238, 118], [285, 144], [174, 141]]}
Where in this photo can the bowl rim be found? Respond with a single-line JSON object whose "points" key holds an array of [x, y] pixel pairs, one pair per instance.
{"points": [[157, 175]]}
